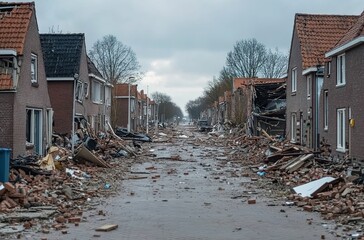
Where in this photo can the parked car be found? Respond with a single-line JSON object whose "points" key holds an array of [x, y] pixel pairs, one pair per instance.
{"points": [[203, 126]]}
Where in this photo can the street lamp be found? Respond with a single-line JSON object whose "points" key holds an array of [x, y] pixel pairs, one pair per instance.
{"points": [[131, 79], [76, 76]]}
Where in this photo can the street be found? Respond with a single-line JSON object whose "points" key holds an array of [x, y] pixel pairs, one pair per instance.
{"points": [[187, 189]]}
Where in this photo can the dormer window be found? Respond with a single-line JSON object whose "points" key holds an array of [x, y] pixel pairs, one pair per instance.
{"points": [[34, 69]]}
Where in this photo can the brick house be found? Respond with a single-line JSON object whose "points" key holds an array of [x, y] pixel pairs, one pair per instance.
{"points": [[73, 78], [121, 104], [343, 112], [25, 105], [313, 35]]}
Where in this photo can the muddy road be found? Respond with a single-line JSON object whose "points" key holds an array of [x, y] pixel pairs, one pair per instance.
{"points": [[188, 189]]}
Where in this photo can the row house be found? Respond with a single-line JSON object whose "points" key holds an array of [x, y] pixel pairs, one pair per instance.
{"points": [[26, 112], [308, 84], [142, 108], [126, 102], [260, 104], [341, 99], [77, 90]]}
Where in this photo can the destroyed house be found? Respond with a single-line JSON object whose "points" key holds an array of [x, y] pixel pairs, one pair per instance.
{"points": [[313, 35], [342, 91], [260, 103], [26, 113], [71, 86]]}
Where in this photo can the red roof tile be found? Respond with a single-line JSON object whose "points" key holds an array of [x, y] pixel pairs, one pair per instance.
{"points": [[5, 82], [355, 31], [14, 22], [319, 33]]}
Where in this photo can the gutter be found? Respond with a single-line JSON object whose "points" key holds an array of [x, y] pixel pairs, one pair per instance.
{"points": [[342, 48]]}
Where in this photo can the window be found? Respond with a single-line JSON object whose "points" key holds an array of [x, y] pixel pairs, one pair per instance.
{"points": [[34, 69], [326, 110], [309, 84], [328, 71], [79, 91], [97, 92], [6, 65], [293, 127], [108, 96], [34, 128], [294, 80], [340, 135], [340, 79], [85, 90]]}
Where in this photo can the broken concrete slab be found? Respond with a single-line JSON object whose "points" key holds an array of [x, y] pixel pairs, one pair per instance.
{"points": [[314, 187]]}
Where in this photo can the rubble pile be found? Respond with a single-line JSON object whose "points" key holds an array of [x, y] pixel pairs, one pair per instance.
{"points": [[63, 184], [293, 167]]}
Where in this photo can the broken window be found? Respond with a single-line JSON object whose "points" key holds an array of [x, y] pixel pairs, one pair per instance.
{"points": [[34, 69], [85, 90], [79, 91], [6, 65]]}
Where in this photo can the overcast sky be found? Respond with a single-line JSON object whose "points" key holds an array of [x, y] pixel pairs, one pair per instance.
{"points": [[182, 44]]}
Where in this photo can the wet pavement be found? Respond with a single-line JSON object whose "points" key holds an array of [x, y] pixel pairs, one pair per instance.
{"points": [[195, 196]]}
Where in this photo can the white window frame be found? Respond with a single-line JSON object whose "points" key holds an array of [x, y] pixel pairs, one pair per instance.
{"points": [[34, 68], [340, 130], [326, 109], [97, 93], [340, 70], [309, 86], [85, 90], [107, 96], [294, 80], [293, 127], [79, 91], [32, 126]]}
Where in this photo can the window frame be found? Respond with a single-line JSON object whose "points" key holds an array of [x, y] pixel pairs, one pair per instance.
{"points": [[97, 93], [293, 127], [34, 68], [340, 70], [326, 110], [294, 80], [340, 129], [309, 86]]}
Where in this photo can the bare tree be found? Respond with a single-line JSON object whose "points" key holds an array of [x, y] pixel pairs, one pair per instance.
{"points": [[275, 65], [246, 59], [116, 61]]}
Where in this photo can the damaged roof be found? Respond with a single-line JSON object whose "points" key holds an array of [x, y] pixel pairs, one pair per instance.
{"points": [[62, 54], [238, 82], [14, 24], [318, 33]]}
